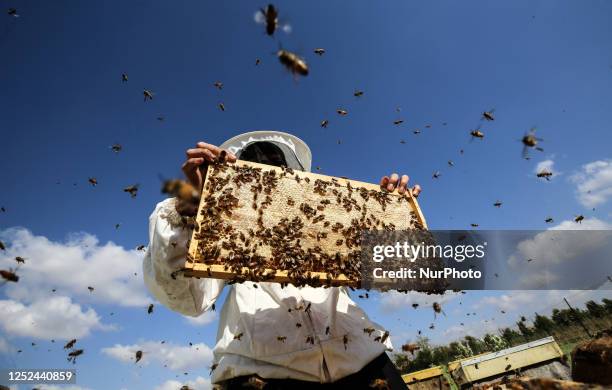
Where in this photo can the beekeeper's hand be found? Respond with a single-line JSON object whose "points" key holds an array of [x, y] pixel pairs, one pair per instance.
{"points": [[197, 160], [395, 182]]}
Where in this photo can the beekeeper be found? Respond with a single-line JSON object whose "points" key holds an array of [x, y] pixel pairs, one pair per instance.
{"points": [[265, 311]]}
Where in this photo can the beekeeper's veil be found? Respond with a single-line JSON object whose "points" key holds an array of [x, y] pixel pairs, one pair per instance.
{"points": [[271, 147]]}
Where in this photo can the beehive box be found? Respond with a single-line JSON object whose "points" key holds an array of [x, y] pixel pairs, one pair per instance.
{"points": [[263, 223]]}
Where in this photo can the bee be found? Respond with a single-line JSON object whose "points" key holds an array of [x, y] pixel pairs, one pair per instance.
{"points": [[474, 225], [257, 61], [138, 356], [91, 289], [327, 330], [544, 174], [380, 384], [529, 140], [132, 190], [369, 330], [324, 123], [416, 131], [238, 336], [342, 112], [221, 106], [437, 308], [9, 276], [150, 309], [410, 348], [508, 367], [345, 341], [415, 305], [451, 163], [293, 62], [20, 260], [384, 337], [213, 367], [269, 17], [549, 220], [358, 93], [140, 248], [428, 126], [477, 134], [116, 148], [93, 181], [497, 204], [319, 51], [13, 12], [117, 225], [432, 326], [403, 142], [488, 115], [579, 218], [147, 95], [124, 77], [218, 85], [398, 122], [281, 338], [161, 118], [298, 325], [73, 355], [310, 339], [436, 175]]}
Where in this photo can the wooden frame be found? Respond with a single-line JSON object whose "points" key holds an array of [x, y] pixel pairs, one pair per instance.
{"points": [[293, 182]]}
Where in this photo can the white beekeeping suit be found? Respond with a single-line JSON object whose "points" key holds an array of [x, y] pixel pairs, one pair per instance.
{"points": [[263, 314]]}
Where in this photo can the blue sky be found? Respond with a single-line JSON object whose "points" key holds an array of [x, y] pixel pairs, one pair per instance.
{"points": [[546, 64]]}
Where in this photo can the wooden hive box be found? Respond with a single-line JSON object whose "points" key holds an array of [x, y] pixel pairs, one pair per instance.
{"points": [[263, 223]]}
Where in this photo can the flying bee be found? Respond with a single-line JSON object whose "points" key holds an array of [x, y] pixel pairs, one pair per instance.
{"points": [[20, 260], [549, 220], [417, 131], [530, 141], [91, 289], [213, 367], [13, 12], [369, 331], [403, 142], [410, 348], [70, 344], [93, 181], [147, 95], [432, 326], [345, 341], [138, 356], [293, 62], [474, 225], [437, 308], [140, 248], [415, 305], [132, 190], [546, 174], [436, 175], [488, 115], [73, 355], [221, 106], [451, 163], [380, 384], [324, 123], [238, 336], [124, 77], [497, 204], [477, 133], [358, 93], [579, 218], [9, 276], [398, 122], [281, 338], [218, 85], [342, 112], [257, 61], [269, 17], [150, 308], [116, 148], [319, 51]]}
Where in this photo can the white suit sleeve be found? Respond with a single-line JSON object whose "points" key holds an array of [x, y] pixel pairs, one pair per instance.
{"points": [[167, 253]]}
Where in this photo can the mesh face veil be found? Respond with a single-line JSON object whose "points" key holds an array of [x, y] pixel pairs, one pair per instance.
{"points": [[271, 147]]}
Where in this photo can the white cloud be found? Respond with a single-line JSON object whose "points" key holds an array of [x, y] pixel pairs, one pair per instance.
{"points": [[393, 300], [198, 384], [5, 347], [206, 318], [52, 318], [177, 357], [594, 183], [72, 266]]}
